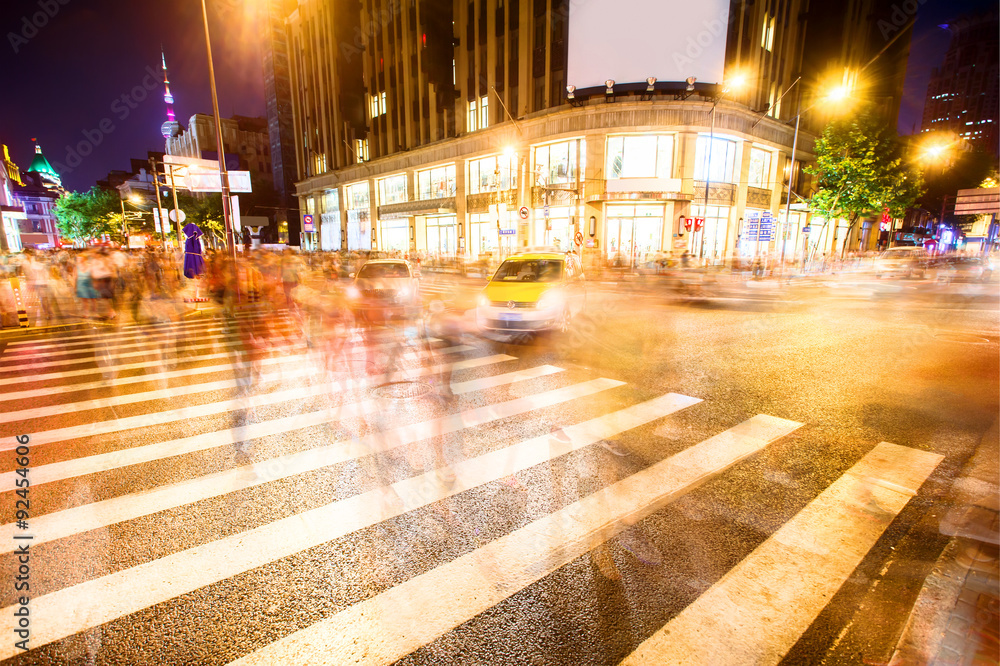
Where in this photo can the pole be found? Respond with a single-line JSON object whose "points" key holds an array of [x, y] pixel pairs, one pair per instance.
{"points": [[124, 223], [708, 182], [177, 213], [223, 174], [788, 202], [159, 206]]}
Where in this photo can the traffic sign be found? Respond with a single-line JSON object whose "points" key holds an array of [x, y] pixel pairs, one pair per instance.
{"points": [[307, 224], [578, 238], [522, 212], [177, 212], [508, 232], [546, 211], [806, 229]]}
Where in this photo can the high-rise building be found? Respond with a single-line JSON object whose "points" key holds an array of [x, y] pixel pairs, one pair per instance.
{"points": [[963, 97], [278, 97], [472, 128]]}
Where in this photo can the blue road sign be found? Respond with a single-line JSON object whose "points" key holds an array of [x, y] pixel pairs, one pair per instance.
{"points": [[508, 232]]}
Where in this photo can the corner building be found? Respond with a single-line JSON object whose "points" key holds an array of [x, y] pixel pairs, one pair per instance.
{"points": [[452, 129]]}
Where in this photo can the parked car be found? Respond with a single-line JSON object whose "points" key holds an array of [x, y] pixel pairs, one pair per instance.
{"points": [[533, 291], [384, 289], [910, 262]]}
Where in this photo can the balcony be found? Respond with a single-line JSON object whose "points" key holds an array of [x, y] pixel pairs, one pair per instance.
{"points": [[719, 194]]}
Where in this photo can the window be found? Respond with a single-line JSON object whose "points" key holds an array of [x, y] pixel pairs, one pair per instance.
{"points": [[331, 201], [310, 206], [555, 164], [760, 168], [642, 156], [357, 196], [376, 105], [436, 183], [492, 174], [392, 189], [479, 114], [361, 150], [767, 34], [721, 162]]}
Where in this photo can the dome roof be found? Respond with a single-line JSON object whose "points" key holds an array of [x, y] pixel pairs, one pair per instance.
{"points": [[41, 166]]}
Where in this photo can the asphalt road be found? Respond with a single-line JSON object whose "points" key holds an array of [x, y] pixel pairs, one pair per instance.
{"points": [[757, 479]]}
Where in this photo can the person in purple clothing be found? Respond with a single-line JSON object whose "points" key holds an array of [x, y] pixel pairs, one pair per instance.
{"points": [[194, 264]]}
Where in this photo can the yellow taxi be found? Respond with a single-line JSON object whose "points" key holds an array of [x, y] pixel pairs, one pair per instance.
{"points": [[532, 291]]}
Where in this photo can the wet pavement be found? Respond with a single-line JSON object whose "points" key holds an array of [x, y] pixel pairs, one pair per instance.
{"points": [[756, 476]]}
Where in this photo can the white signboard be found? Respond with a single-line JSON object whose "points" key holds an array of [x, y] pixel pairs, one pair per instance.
{"points": [[203, 180], [628, 41]]}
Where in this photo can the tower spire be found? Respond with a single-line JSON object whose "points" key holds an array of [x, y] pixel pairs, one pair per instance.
{"points": [[171, 127]]}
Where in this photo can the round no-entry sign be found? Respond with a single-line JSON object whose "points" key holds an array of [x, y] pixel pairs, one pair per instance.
{"points": [[523, 212]]}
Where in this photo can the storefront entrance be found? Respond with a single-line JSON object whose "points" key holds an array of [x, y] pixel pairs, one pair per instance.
{"points": [[394, 235], [633, 232], [442, 236]]}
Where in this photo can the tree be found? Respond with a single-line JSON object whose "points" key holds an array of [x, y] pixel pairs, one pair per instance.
{"points": [[861, 170], [85, 216], [206, 211]]}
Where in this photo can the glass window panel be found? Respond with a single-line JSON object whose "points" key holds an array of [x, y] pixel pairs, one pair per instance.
{"points": [[664, 156], [640, 157], [615, 157]]}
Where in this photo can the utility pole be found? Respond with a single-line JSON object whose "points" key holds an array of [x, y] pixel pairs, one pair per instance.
{"points": [[159, 205]]}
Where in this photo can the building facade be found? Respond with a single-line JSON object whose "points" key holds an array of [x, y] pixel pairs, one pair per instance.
{"points": [[278, 98], [41, 187], [246, 139], [448, 128], [11, 211], [963, 96]]}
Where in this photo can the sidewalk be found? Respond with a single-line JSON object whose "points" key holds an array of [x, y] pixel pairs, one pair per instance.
{"points": [[956, 618]]}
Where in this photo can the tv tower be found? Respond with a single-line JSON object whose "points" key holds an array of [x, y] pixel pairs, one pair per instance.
{"points": [[171, 127]]}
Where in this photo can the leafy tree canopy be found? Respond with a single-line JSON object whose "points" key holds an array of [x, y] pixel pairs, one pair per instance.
{"points": [[84, 216], [861, 169]]}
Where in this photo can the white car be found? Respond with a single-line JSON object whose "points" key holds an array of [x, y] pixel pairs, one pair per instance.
{"points": [[384, 289], [910, 262]]}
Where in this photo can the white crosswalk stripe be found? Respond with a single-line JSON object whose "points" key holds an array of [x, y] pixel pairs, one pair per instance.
{"points": [[342, 422]]}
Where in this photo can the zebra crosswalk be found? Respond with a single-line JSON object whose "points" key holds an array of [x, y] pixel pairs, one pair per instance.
{"points": [[172, 494]]}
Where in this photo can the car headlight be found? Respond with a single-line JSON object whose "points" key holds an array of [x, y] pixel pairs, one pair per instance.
{"points": [[353, 292], [482, 301], [551, 300], [404, 292]]}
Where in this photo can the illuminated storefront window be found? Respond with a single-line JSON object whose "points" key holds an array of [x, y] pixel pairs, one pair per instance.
{"points": [[556, 163], [723, 159], [436, 183], [760, 168], [392, 189], [640, 156], [491, 174], [710, 242]]}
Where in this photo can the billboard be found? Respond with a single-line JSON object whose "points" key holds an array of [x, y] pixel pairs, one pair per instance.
{"points": [[630, 40]]}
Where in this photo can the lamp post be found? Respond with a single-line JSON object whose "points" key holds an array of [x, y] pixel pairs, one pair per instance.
{"points": [[223, 174], [736, 82]]}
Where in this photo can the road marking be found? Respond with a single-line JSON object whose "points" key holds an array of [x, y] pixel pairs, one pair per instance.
{"points": [[145, 396], [61, 524], [118, 341], [77, 608], [385, 628], [216, 344], [150, 452], [112, 368], [183, 413], [761, 607], [124, 330]]}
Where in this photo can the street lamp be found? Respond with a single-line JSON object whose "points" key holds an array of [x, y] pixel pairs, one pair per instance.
{"points": [[223, 175]]}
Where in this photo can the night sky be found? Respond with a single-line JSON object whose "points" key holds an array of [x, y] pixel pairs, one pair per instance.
{"points": [[62, 79], [72, 74]]}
